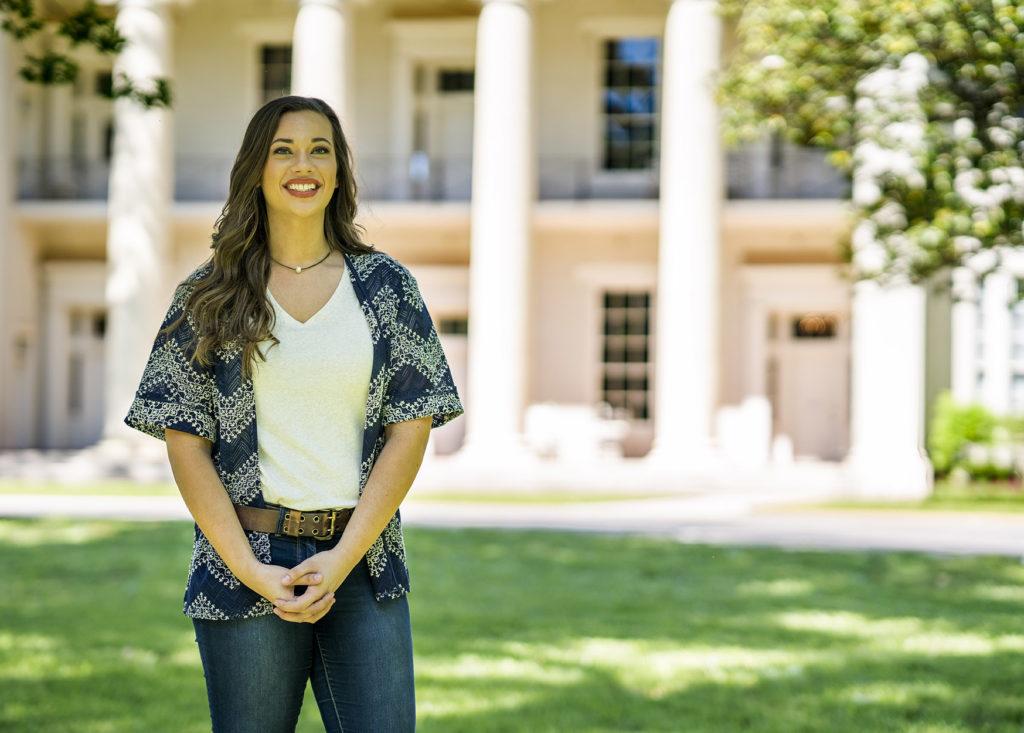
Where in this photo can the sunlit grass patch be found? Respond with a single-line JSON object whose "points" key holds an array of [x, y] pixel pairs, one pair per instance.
{"points": [[63, 531], [548, 631]]}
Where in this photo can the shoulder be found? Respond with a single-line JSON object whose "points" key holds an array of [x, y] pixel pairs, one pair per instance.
{"points": [[184, 288], [380, 269], [199, 273], [370, 263]]}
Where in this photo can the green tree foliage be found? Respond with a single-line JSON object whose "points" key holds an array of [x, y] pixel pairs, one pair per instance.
{"points": [[921, 102], [86, 25]]}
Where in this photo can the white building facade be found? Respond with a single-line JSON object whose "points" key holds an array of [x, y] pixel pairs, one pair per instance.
{"points": [[611, 285]]}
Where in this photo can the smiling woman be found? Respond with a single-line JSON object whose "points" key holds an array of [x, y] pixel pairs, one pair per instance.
{"points": [[298, 570]]}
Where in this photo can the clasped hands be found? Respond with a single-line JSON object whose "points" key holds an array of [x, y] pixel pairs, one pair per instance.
{"points": [[322, 574]]}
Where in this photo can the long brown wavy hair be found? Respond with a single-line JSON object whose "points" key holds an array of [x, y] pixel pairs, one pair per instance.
{"points": [[229, 304]]}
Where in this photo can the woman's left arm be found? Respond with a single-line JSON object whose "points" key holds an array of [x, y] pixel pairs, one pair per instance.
{"points": [[389, 481]]}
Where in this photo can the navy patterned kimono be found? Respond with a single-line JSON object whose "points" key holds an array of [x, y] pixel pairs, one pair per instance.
{"points": [[410, 378]]}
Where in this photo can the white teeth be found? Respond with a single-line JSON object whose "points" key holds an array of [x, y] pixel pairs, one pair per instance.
{"points": [[302, 186]]}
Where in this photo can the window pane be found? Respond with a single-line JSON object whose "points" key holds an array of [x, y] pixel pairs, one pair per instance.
{"points": [[624, 376], [630, 102], [641, 101]]}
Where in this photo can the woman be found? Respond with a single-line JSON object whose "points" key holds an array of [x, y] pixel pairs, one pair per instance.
{"points": [[298, 568]]}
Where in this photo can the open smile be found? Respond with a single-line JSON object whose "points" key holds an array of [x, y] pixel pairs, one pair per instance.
{"points": [[303, 192]]}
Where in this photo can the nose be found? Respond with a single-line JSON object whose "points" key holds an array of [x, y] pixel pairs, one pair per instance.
{"points": [[303, 163]]}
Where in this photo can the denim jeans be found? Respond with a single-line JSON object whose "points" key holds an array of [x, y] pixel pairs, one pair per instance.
{"points": [[358, 658]]}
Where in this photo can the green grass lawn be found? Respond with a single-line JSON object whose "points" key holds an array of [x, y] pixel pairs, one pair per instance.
{"points": [[547, 631]]}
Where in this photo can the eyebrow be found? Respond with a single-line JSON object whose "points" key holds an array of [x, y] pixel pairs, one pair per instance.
{"points": [[288, 140]]}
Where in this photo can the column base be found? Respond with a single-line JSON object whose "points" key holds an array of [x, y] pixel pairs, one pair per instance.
{"points": [[691, 466], [503, 454], [135, 458], [907, 477]]}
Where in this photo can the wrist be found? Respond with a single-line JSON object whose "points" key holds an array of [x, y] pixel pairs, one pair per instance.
{"points": [[248, 569], [341, 558]]}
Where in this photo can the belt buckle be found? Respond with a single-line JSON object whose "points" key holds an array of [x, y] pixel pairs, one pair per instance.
{"points": [[328, 533]]}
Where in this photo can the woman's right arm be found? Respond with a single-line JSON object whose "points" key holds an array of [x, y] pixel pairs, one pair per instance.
{"points": [[209, 503]]}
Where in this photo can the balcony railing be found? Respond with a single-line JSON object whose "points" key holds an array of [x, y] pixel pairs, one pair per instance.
{"points": [[768, 170], [752, 173], [61, 177]]}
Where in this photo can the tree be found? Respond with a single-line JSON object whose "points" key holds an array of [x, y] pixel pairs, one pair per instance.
{"points": [[921, 102], [86, 25]]}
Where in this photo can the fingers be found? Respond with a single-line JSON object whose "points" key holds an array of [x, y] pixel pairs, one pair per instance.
{"points": [[295, 577], [308, 577], [300, 603], [323, 613], [313, 612]]}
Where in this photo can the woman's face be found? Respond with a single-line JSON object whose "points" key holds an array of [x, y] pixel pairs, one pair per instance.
{"points": [[302, 148]]}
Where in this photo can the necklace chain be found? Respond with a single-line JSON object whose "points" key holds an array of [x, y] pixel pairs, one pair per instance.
{"points": [[299, 268]]}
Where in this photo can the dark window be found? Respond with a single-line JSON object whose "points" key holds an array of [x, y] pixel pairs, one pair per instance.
{"points": [[625, 357], [455, 80], [630, 106], [814, 325], [276, 71], [453, 325], [104, 83]]}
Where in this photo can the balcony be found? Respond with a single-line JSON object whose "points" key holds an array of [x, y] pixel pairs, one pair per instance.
{"points": [[781, 170], [755, 172]]}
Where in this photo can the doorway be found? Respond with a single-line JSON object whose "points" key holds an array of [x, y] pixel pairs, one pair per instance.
{"points": [[808, 384], [793, 349], [441, 162], [74, 354]]}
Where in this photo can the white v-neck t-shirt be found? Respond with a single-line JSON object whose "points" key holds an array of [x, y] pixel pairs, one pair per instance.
{"points": [[311, 404]]}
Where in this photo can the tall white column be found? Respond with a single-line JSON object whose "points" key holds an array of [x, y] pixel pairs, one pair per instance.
{"points": [[20, 299], [139, 208], [997, 327], [8, 186], [323, 58], [686, 351], [964, 326], [504, 188], [887, 458]]}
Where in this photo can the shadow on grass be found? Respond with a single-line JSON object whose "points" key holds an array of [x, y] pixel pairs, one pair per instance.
{"points": [[547, 631]]}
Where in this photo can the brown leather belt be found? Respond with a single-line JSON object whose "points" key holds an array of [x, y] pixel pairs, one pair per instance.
{"points": [[320, 525]]}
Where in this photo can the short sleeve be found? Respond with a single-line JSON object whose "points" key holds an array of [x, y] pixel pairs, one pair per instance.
{"points": [[173, 391], [421, 380]]}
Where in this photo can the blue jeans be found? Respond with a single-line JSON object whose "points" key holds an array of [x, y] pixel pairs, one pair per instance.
{"points": [[358, 658]]}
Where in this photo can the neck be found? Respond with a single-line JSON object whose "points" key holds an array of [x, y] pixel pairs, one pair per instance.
{"points": [[298, 241]]}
